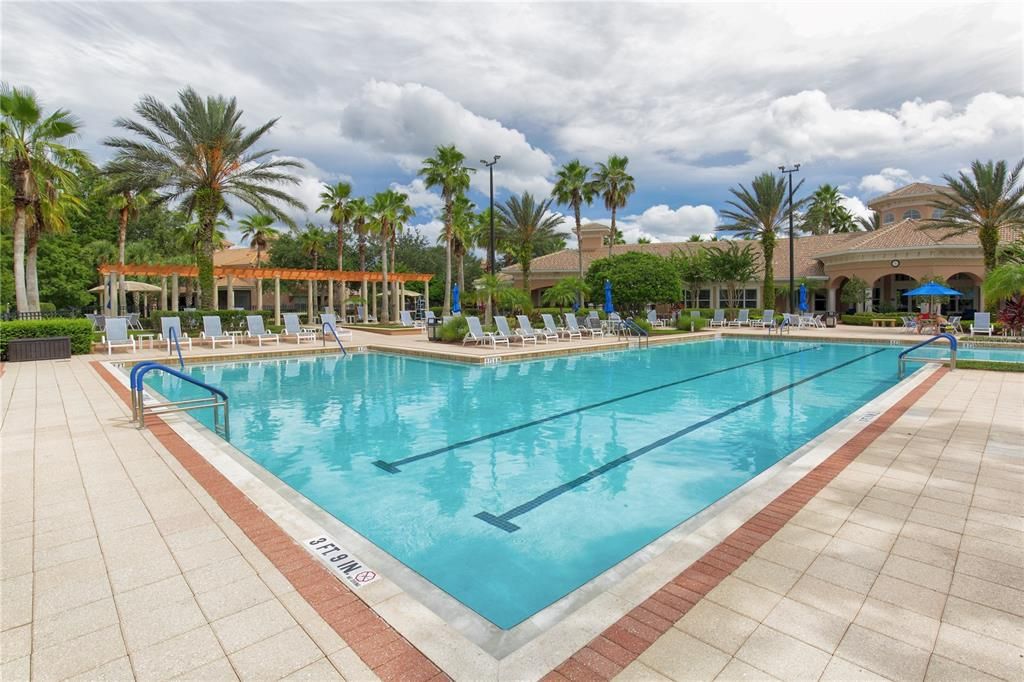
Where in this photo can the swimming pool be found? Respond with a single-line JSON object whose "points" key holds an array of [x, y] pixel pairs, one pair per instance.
{"points": [[510, 486]]}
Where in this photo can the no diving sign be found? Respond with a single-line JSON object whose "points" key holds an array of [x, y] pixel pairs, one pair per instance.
{"points": [[341, 562]]}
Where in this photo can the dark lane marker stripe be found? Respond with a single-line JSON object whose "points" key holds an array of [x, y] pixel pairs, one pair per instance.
{"points": [[392, 467], [503, 522]]}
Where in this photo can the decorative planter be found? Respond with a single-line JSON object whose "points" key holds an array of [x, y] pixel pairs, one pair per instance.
{"points": [[48, 348]]}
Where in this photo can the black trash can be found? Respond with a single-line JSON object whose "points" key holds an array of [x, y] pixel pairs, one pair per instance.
{"points": [[433, 328], [831, 319]]}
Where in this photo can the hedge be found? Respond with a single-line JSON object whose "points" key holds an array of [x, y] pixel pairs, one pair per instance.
{"points": [[79, 330], [991, 365], [864, 319], [230, 320]]}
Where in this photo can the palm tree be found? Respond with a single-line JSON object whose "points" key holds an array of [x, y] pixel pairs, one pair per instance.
{"points": [[446, 170], [500, 289], [573, 188], [389, 209], [259, 231], [694, 238], [565, 292], [615, 185], [524, 221], [127, 202], [870, 223], [198, 153], [336, 199], [313, 242], [56, 201], [758, 213], [1005, 284], [733, 265], [33, 148], [464, 235], [987, 200], [826, 213], [361, 215]]}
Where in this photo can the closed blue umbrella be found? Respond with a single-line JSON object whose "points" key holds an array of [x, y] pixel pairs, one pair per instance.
{"points": [[608, 307], [803, 298], [456, 305]]}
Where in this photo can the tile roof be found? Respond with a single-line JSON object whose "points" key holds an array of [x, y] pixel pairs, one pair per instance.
{"points": [[913, 189]]}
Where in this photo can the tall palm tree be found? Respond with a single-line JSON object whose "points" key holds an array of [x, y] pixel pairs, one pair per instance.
{"points": [[389, 209], [361, 215], [985, 201], [337, 200], [464, 235], [128, 200], [447, 171], [259, 231], [826, 213], [33, 147], [198, 153], [758, 213], [870, 223], [54, 203], [573, 188], [615, 185], [313, 242], [525, 221]]}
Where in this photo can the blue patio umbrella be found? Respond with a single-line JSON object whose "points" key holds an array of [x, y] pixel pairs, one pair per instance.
{"points": [[456, 305], [608, 307], [932, 289], [803, 298]]}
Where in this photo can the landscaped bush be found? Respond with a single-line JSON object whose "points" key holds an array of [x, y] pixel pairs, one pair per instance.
{"points": [[47, 307], [454, 330], [230, 320], [864, 319], [683, 322], [80, 332]]}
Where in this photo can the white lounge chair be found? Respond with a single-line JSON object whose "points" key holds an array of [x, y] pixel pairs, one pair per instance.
{"points": [[292, 327], [332, 319], [742, 319], [134, 322], [519, 334], [477, 333], [363, 315], [652, 317], [982, 324], [256, 330], [572, 329], [909, 324], [214, 333], [767, 319], [953, 324], [115, 334], [572, 325], [718, 320], [551, 327], [527, 328], [405, 317], [169, 323]]}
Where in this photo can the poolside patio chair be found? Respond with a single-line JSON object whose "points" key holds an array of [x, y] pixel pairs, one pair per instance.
{"points": [[363, 316], [527, 328], [982, 324], [134, 322], [551, 327], [572, 325], [169, 323], [477, 333], [742, 319], [953, 324], [256, 330], [405, 317], [292, 327], [332, 319], [718, 320], [909, 324], [571, 328], [767, 319], [91, 318], [214, 333], [652, 317], [695, 314], [100, 322], [430, 316], [502, 322], [116, 334]]}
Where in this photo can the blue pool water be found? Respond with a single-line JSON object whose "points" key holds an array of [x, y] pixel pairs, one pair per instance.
{"points": [[509, 486], [965, 352]]}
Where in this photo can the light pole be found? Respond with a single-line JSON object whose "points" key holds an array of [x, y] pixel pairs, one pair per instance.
{"points": [[792, 294], [490, 246]]}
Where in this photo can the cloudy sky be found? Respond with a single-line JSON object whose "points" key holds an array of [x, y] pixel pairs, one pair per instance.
{"points": [[699, 96]]}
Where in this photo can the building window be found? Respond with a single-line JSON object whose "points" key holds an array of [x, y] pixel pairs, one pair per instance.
{"points": [[889, 218], [820, 300], [703, 298], [912, 214], [937, 213], [748, 298]]}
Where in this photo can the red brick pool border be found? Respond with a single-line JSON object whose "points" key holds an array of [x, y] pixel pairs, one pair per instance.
{"points": [[392, 657]]}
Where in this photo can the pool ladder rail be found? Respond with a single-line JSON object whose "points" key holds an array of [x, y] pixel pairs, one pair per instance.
{"points": [[217, 400], [328, 325], [905, 355], [635, 331]]}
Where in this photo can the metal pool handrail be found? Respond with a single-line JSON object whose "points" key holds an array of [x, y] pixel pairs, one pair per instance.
{"points": [[328, 325], [632, 327], [952, 353], [218, 399], [173, 336]]}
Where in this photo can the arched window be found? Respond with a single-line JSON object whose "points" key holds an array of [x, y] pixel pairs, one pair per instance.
{"points": [[889, 218], [912, 214], [937, 213]]}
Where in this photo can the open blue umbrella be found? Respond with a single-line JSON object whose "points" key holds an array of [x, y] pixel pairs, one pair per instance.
{"points": [[608, 307], [456, 305], [931, 290], [803, 298]]}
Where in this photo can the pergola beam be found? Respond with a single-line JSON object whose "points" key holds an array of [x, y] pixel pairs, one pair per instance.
{"points": [[241, 271]]}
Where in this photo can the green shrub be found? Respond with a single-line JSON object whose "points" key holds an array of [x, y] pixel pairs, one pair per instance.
{"points": [[683, 322], [454, 330], [230, 320], [47, 307], [864, 319], [80, 332]]}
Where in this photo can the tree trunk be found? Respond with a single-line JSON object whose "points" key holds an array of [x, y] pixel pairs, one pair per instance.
{"points": [[122, 238], [385, 316], [21, 202], [579, 248], [611, 237], [462, 271], [447, 307], [31, 272], [341, 267], [768, 249], [209, 207], [989, 238]]}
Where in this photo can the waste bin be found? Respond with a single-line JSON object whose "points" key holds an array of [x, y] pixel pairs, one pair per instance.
{"points": [[831, 319], [433, 328]]}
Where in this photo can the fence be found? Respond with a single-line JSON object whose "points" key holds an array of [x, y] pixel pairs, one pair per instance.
{"points": [[67, 313]]}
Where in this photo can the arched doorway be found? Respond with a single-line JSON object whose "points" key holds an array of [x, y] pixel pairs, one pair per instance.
{"points": [[969, 285], [887, 292]]}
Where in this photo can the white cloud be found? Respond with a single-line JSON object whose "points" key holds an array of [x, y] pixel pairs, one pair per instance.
{"points": [[888, 179], [425, 202], [408, 121], [666, 224], [855, 206]]}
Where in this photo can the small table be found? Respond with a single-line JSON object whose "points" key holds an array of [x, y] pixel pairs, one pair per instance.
{"points": [[144, 337], [883, 322]]}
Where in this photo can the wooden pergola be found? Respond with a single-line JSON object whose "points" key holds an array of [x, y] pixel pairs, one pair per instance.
{"points": [[396, 281]]}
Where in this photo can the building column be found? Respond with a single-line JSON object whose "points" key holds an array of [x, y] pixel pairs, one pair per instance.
{"points": [[830, 304], [310, 305], [231, 292], [216, 293], [259, 295], [110, 290], [175, 292], [344, 298], [330, 298], [277, 300]]}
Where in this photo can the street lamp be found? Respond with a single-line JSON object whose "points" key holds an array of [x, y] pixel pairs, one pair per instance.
{"points": [[490, 248], [792, 283]]}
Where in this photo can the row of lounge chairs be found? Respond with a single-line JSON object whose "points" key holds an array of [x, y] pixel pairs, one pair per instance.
{"points": [[526, 332], [982, 324]]}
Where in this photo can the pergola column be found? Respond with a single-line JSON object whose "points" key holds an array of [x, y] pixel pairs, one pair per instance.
{"points": [[259, 295], [216, 293], [277, 300], [330, 298], [344, 298], [366, 300], [174, 292], [231, 292], [373, 299], [309, 301], [163, 293], [399, 301]]}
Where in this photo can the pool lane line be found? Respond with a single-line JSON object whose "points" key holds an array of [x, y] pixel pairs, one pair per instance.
{"points": [[392, 467], [502, 521]]}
